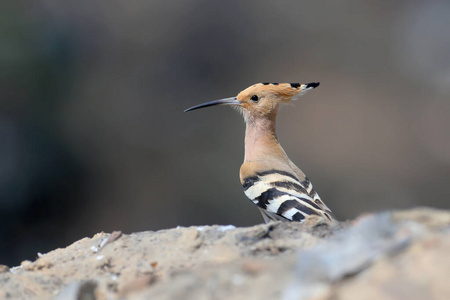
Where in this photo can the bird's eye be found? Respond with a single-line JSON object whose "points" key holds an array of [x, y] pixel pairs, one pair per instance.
{"points": [[254, 98]]}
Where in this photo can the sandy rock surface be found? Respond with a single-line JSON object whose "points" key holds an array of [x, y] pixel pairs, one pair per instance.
{"points": [[393, 255]]}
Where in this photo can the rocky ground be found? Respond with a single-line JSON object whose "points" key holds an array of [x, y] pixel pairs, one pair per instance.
{"points": [[392, 255]]}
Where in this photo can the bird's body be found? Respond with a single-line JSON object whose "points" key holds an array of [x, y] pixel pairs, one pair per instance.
{"points": [[270, 179]]}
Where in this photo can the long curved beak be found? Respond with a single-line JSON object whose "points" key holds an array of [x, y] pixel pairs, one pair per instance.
{"points": [[226, 101]]}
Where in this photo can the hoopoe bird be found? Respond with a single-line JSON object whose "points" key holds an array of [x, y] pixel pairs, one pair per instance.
{"points": [[270, 179]]}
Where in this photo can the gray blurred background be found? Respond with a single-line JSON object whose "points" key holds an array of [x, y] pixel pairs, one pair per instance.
{"points": [[94, 138]]}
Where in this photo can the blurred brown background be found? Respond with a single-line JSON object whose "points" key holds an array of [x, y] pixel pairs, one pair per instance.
{"points": [[94, 138]]}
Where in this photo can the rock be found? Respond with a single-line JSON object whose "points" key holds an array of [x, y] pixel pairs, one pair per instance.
{"points": [[83, 290], [392, 255], [4, 269]]}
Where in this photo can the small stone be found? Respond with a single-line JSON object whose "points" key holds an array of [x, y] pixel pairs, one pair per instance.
{"points": [[4, 269], [26, 264], [252, 267]]}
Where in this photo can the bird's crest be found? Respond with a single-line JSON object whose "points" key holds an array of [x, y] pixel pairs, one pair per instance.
{"points": [[284, 92]]}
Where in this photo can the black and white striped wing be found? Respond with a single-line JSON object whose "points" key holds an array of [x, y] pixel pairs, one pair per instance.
{"points": [[281, 196]]}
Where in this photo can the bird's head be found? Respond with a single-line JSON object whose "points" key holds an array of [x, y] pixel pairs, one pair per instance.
{"points": [[262, 100]]}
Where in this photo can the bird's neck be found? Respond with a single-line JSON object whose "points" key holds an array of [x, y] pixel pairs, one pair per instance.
{"points": [[261, 140]]}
